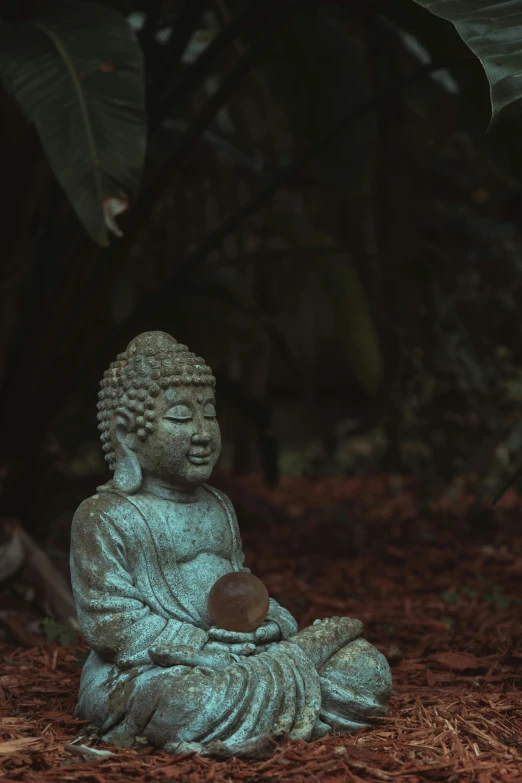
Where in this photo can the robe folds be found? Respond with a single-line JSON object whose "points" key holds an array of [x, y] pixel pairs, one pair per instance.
{"points": [[130, 597]]}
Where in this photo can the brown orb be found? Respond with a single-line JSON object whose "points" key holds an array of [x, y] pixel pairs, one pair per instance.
{"points": [[238, 602]]}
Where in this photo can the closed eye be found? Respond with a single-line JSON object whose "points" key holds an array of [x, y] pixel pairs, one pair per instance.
{"points": [[178, 413]]}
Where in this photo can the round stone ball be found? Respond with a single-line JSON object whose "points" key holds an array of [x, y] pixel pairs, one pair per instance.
{"points": [[238, 602]]}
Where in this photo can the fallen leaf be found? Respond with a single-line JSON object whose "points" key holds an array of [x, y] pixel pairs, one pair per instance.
{"points": [[456, 660]]}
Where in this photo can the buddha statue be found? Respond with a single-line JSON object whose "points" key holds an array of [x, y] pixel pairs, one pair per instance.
{"points": [[146, 552]]}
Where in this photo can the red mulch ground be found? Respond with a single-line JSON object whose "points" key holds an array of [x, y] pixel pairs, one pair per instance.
{"points": [[439, 594]]}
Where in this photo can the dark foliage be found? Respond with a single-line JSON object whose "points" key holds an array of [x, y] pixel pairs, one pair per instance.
{"points": [[320, 215]]}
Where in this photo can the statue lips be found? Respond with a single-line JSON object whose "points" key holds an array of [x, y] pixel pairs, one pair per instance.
{"points": [[200, 458]]}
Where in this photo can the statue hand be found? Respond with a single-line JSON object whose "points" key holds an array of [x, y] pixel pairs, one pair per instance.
{"points": [[242, 648], [171, 655], [185, 655], [267, 632]]}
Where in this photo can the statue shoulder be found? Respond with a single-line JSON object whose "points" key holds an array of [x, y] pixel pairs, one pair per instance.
{"points": [[221, 498], [103, 506]]}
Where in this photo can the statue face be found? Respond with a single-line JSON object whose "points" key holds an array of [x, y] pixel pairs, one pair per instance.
{"points": [[186, 442]]}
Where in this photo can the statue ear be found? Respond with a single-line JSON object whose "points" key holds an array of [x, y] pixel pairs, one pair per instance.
{"points": [[122, 425], [127, 472]]}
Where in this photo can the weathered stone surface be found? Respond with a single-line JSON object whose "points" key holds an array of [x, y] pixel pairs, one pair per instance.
{"points": [[146, 551]]}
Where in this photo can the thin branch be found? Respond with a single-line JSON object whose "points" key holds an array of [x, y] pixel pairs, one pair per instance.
{"points": [[108, 264], [266, 192], [191, 80], [277, 254], [187, 22], [147, 311], [219, 99], [223, 18], [148, 32], [224, 144]]}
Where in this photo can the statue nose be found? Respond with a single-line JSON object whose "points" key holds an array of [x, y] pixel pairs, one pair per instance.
{"points": [[202, 433], [203, 436]]}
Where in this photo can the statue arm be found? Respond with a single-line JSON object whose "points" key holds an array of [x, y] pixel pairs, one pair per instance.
{"points": [[276, 613], [115, 621]]}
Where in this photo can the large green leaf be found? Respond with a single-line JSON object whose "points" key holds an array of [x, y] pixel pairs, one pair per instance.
{"points": [[338, 279], [319, 74], [340, 282], [493, 31], [77, 73]]}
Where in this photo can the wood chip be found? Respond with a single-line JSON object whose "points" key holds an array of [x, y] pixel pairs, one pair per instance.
{"points": [[11, 747], [450, 607]]}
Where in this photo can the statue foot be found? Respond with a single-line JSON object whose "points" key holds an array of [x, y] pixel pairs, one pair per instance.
{"points": [[325, 637]]}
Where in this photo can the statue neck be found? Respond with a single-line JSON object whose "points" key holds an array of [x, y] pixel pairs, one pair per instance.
{"points": [[165, 490]]}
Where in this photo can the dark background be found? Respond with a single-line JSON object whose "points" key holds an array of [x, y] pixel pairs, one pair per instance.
{"points": [[361, 312], [326, 216]]}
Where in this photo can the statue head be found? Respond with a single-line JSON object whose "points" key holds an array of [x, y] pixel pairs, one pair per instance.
{"points": [[157, 415]]}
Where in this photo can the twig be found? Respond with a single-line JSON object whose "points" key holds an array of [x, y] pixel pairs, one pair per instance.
{"points": [[56, 591], [186, 22], [88, 753]]}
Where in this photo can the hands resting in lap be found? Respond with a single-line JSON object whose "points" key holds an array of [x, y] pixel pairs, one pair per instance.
{"points": [[221, 648], [243, 643]]}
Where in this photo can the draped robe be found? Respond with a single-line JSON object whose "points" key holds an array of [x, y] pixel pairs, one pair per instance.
{"points": [[130, 596]]}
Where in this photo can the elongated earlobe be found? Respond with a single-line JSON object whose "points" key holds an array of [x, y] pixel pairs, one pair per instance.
{"points": [[127, 473]]}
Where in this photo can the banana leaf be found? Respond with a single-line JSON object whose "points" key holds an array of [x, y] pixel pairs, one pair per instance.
{"points": [[77, 74], [493, 31]]}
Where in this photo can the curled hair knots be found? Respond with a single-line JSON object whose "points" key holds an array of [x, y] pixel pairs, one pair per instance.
{"points": [[151, 362]]}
